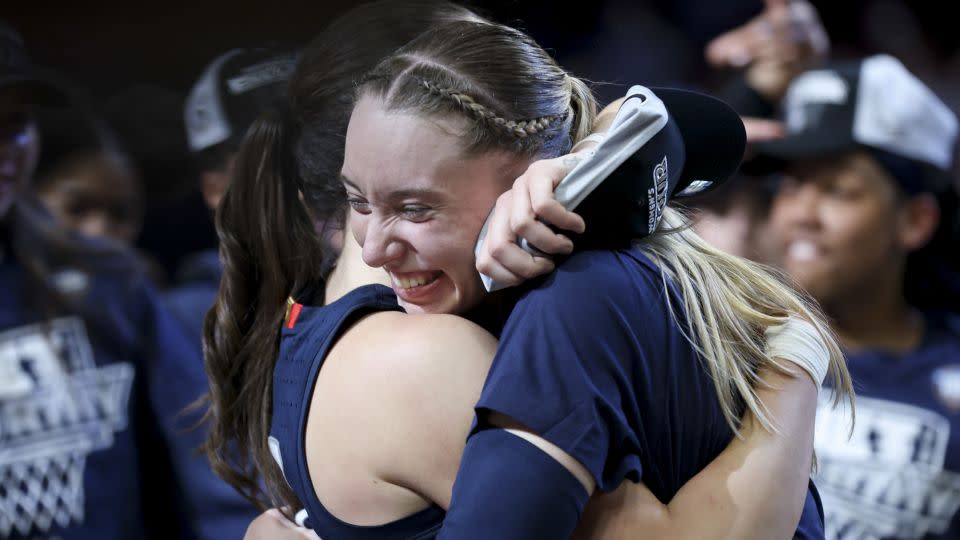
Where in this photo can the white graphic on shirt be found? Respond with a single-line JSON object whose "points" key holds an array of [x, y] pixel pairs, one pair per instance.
{"points": [[56, 407], [946, 386], [888, 480]]}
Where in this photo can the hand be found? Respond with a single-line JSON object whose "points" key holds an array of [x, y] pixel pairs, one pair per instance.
{"points": [[525, 212], [786, 39], [621, 513], [272, 525], [760, 130]]}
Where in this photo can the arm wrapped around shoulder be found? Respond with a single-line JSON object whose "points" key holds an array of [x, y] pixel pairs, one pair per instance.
{"points": [[507, 488], [799, 342]]}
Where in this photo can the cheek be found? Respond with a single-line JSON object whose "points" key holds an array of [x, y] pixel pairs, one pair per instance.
{"points": [[855, 225], [358, 226], [440, 245]]}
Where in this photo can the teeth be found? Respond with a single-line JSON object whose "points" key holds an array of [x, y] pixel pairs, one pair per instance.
{"points": [[409, 283], [803, 250]]}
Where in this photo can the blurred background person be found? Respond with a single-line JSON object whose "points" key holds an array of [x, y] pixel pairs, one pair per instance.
{"points": [[87, 182], [228, 96], [84, 179], [763, 55], [78, 342], [93, 372], [864, 219]]}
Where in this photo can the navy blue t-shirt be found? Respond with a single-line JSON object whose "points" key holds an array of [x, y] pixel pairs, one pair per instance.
{"points": [[898, 475], [92, 443], [594, 360], [219, 511]]}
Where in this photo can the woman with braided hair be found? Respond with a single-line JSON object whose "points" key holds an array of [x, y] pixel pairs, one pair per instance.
{"points": [[368, 408]]}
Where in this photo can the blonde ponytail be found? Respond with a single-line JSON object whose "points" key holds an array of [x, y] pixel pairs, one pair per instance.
{"points": [[583, 109], [729, 302]]}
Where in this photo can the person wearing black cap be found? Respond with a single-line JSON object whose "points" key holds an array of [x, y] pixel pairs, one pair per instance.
{"points": [[91, 367], [229, 95], [367, 404], [863, 220]]}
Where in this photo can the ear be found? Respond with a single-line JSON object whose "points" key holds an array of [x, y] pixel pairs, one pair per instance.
{"points": [[919, 218], [213, 184]]}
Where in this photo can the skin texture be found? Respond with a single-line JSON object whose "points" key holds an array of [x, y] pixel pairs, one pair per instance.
{"points": [[784, 40], [372, 464], [842, 227], [843, 232], [95, 196], [417, 201]]}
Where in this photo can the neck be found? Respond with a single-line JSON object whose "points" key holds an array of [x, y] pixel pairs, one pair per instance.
{"points": [[351, 272], [877, 319]]}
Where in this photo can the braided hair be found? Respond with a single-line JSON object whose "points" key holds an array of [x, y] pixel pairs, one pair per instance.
{"points": [[516, 95]]}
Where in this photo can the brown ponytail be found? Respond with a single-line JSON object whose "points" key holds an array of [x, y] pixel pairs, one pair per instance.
{"points": [[268, 242], [269, 249]]}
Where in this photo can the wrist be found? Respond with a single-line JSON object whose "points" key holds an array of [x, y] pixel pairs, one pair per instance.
{"points": [[588, 142]]}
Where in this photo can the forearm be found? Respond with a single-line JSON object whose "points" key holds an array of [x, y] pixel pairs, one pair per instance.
{"points": [[606, 116], [755, 488]]}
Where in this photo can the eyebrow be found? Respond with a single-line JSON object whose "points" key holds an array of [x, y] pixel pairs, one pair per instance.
{"points": [[347, 181], [409, 193]]}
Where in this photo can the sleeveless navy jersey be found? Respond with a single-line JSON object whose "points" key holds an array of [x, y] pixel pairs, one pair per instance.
{"points": [[898, 476], [304, 345], [91, 442], [594, 361]]}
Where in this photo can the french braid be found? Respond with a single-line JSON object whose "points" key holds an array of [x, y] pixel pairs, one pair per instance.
{"points": [[521, 129]]}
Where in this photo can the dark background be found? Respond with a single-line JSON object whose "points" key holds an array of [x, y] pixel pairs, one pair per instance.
{"points": [[136, 62]]}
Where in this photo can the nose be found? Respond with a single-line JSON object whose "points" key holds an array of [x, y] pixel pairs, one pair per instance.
{"points": [[95, 224], [798, 206], [380, 245]]}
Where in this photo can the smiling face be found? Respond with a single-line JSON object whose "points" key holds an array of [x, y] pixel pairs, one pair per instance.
{"points": [[419, 202], [839, 226]]}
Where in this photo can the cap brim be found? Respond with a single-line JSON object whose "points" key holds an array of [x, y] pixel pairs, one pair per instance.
{"points": [[775, 154], [713, 136]]}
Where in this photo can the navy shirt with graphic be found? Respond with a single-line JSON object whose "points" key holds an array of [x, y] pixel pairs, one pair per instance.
{"points": [[898, 475], [594, 360], [92, 444], [220, 511]]}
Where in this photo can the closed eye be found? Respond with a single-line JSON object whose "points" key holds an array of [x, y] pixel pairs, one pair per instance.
{"points": [[415, 212], [359, 205]]}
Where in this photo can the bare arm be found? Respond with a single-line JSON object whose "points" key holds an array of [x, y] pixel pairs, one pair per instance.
{"points": [[754, 489]]}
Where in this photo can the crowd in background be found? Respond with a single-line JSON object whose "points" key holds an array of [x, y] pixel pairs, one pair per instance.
{"points": [[108, 251]]}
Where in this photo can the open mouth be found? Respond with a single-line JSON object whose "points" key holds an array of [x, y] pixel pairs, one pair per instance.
{"points": [[804, 251], [413, 286]]}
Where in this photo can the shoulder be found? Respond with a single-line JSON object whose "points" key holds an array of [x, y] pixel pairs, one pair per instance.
{"points": [[397, 393], [600, 283], [400, 353]]}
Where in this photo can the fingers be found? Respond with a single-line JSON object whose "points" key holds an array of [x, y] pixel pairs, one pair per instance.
{"points": [[546, 207], [760, 129], [535, 206], [525, 223], [731, 49], [500, 257], [784, 26]]}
